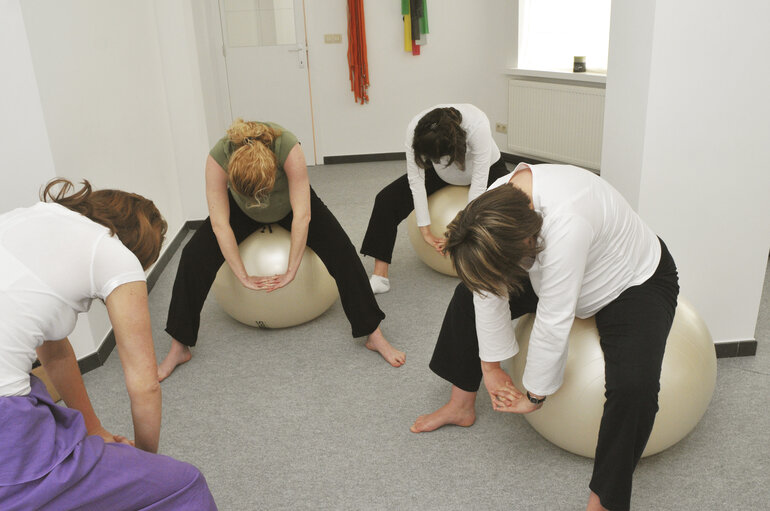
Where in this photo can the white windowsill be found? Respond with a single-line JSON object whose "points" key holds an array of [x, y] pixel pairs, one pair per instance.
{"points": [[559, 75]]}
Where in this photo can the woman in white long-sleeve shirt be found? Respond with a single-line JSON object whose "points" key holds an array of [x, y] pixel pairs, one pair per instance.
{"points": [[445, 145], [559, 241]]}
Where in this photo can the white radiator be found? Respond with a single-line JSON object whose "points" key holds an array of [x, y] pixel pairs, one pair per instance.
{"points": [[554, 122]]}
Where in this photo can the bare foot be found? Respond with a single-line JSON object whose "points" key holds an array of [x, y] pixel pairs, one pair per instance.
{"points": [[459, 411], [178, 354], [377, 342], [594, 504], [447, 414]]}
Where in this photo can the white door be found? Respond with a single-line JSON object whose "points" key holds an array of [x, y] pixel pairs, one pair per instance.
{"points": [[266, 57]]}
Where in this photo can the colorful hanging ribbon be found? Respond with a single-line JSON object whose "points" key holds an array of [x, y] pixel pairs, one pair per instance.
{"points": [[415, 14], [357, 61]]}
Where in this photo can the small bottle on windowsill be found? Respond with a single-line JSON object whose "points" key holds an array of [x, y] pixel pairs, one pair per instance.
{"points": [[579, 65]]}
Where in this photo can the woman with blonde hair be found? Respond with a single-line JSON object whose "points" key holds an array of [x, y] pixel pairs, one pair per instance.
{"points": [[257, 175], [57, 256], [445, 145], [559, 241]]}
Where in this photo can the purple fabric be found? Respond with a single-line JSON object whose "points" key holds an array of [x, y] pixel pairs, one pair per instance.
{"points": [[35, 434], [88, 474]]}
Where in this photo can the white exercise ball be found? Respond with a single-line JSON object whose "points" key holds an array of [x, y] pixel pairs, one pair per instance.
{"points": [[443, 206], [570, 417], [266, 253]]}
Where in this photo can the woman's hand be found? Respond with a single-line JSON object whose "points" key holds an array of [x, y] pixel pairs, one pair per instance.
{"points": [[109, 437], [430, 239], [499, 385], [504, 395], [275, 282], [518, 405], [253, 282]]}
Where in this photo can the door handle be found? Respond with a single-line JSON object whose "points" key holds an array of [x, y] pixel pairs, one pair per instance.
{"points": [[300, 51]]}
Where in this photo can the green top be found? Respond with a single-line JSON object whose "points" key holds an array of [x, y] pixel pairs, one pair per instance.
{"points": [[277, 204]]}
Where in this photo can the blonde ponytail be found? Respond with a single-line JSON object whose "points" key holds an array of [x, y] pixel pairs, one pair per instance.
{"points": [[252, 166]]}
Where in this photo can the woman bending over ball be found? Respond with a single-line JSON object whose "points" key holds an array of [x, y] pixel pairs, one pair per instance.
{"points": [[257, 175], [445, 145], [57, 256], [559, 241]]}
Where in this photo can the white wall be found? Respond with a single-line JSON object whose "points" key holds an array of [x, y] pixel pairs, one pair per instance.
{"points": [[695, 140], [184, 97], [115, 98], [630, 54], [98, 67], [26, 156], [463, 62]]}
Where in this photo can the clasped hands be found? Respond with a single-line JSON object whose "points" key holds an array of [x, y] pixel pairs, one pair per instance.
{"points": [[504, 395], [437, 243], [267, 283]]}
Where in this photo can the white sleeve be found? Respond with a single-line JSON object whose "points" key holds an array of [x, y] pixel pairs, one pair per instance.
{"points": [[113, 265], [562, 267], [416, 177], [494, 327], [477, 159]]}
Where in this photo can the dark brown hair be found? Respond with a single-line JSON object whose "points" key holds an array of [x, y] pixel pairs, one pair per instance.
{"points": [[491, 238], [438, 133], [134, 219]]}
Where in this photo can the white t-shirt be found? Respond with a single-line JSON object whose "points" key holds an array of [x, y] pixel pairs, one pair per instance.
{"points": [[595, 247], [481, 153], [53, 262]]}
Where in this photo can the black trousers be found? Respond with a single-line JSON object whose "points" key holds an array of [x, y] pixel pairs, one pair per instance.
{"points": [[633, 330], [395, 202], [202, 257]]}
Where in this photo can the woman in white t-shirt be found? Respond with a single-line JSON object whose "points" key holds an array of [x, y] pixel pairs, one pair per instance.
{"points": [[445, 145], [56, 257], [559, 241]]}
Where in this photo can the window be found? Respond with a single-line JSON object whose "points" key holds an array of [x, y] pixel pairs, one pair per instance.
{"points": [[553, 32]]}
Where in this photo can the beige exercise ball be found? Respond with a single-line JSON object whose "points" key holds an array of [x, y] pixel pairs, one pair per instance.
{"points": [[266, 253], [570, 418], [443, 206]]}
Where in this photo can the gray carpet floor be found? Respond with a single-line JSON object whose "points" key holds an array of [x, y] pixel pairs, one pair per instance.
{"points": [[308, 418]]}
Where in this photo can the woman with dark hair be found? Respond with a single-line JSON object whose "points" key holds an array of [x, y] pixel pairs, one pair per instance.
{"points": [[559, 241], [257, 175], [445, 145], [57, 256]]}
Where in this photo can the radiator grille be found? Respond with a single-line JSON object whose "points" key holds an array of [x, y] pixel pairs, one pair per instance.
{"points": [[555, 122]]}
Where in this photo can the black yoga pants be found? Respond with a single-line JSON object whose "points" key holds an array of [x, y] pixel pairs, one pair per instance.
{"points": [[633, 330], [202, 257], [394, 203]]}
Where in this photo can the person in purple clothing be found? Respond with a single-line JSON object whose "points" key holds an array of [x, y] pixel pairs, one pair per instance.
{"points": [[57, 256]]}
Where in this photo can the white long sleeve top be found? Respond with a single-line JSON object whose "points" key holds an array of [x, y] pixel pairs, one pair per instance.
{"points": [[53, 263], [595, 247], [481, 153]]}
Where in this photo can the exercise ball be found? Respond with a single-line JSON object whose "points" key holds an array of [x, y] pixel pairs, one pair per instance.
{"points": [[570, 417], [266, 253], [443, 206]]}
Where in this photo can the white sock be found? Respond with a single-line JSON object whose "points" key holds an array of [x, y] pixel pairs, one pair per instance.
{"points": [[379, 284]]}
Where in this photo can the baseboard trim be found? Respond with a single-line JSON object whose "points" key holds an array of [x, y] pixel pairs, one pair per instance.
{"points": [[736, 349], [364, 158], [515, 159], [99, 357], [374, 157]]}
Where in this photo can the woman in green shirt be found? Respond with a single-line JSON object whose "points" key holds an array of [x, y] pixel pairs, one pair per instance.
{"points": [[257, 175]]}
